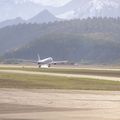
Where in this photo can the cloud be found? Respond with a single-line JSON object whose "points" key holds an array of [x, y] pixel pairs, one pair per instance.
{"points": [[55, 3]]}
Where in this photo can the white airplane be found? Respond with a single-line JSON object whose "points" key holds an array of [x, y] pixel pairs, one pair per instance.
{"points": [[47, 62]]}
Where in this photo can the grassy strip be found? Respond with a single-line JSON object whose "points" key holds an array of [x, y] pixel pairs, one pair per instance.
{"points": [[68, 71], [51, 82]]}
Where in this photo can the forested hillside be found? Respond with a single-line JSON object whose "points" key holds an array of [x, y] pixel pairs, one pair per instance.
{"points": [[89, 40]]}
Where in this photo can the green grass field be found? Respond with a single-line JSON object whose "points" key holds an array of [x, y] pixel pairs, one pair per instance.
{"points": [[23, 81], [68, 71]]}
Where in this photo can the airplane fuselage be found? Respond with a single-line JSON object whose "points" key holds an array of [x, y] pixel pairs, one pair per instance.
{"points": [[46, 61]]}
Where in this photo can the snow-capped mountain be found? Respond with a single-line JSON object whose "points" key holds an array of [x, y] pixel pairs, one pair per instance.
{"points": [[104, 8], [26, 9], [91, 8]]}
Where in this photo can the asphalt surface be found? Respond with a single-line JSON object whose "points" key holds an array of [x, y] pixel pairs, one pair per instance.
{"points": [[16, 104]]}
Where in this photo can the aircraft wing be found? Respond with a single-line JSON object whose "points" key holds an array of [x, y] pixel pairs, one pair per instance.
{"points": [[59, 62], [24, 60]]}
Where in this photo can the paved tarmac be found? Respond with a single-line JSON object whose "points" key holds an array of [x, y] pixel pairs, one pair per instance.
{"points": [[16, 104]]}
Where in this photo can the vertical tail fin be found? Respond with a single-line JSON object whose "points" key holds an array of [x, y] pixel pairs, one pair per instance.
{"points": [[38, 57]]}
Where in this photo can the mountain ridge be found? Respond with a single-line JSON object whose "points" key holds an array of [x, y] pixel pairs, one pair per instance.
{"points": [[26, 9], [42, 17], [11, 22], [92, 40]]}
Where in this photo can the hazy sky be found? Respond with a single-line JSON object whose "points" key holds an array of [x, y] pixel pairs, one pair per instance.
{"points": [[52, 2]]}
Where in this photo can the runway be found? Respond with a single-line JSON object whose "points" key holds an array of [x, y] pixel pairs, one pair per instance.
{"points": [[16, 104]]}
